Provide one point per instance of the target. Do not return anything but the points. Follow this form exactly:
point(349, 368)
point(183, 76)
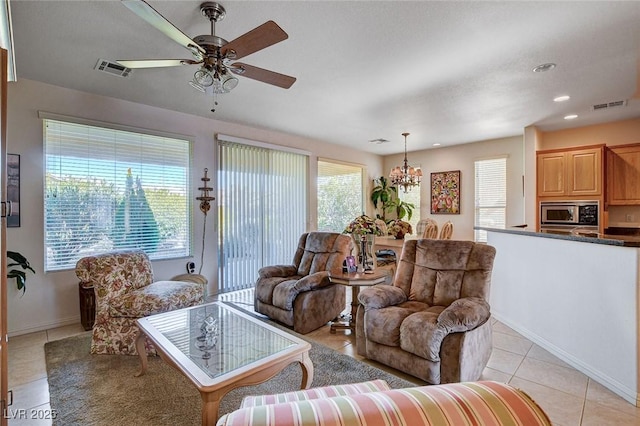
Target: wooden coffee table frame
point(213, 389)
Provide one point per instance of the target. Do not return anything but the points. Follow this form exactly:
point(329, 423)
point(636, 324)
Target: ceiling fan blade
point(153, 17)
point(155, 63)
point(258, 38)
point(263, 75)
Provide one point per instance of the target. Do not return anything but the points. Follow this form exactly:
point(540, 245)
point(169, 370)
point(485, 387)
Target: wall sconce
point(204, 199)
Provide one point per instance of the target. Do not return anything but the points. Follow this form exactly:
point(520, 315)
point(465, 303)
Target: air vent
point(378, 141)
point(112, 68)
point(608, 105)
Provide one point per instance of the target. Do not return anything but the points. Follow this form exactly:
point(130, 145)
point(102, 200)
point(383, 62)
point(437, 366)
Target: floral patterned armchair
point(125, 291)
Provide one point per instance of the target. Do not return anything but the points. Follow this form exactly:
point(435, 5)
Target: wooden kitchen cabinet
point(623, 175)
point(570, 173)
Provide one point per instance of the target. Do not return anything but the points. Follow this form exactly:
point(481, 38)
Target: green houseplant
point(386, 196)
point(382, 194)
point(20, 275)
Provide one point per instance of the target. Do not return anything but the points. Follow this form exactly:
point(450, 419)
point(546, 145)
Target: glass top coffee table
point(220, 348)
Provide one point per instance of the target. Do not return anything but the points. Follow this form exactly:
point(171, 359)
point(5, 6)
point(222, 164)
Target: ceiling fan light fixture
point(229, 83)
point(203, 77)
point(197, 86)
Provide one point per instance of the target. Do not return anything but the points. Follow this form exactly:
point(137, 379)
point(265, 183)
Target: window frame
point(479, 235)
point(188, 140)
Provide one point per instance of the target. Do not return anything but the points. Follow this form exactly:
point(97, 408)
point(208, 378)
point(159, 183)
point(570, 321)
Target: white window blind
point(108, 189)
point(262, 210)
point(340, 194)
point(490, 195)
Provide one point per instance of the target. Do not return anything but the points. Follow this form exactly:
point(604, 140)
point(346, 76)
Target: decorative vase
point(366, 258)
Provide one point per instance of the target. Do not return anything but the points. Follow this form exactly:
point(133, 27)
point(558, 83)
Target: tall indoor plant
point(382, 194)
point(386, 196)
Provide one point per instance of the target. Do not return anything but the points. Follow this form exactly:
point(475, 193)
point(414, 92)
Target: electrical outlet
point(191, 267)
point(629, 218)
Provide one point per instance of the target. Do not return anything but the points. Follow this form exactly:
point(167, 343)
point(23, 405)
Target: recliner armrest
point(381, 296)
point(277, 271)
point(285, 295)
point(313, 281)
point(464, 314)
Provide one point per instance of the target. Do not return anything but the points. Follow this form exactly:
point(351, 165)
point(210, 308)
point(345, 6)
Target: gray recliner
point(433, 321)
point(300, 295)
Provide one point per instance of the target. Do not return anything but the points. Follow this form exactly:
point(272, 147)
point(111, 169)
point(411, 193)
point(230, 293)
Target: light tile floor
point(569, 397)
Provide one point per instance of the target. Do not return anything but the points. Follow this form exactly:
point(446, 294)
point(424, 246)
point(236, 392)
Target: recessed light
point(570, 116)
point(544, 67)
point(436, 144)
point(562, 98)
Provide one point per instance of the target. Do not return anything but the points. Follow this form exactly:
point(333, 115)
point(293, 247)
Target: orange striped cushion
point(455, 404)
point(315, 393)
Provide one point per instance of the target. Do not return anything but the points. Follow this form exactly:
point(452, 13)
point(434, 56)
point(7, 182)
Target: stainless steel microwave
point(569, 213)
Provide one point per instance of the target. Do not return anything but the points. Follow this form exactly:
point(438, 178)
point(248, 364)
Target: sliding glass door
point(262, 210)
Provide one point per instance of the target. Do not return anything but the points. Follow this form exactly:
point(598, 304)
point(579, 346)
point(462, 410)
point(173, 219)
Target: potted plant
point(382, 194)
point(363, 225)
point(363, 230)
point(398, 228)
point(387, 197)
point(401, 208)
point(20, 275)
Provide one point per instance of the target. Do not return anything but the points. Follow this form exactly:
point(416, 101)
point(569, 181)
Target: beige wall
point(613, 133)
point(462, 157)
point(52, 298)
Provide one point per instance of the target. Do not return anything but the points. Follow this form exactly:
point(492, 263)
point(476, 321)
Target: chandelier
point(405, 176)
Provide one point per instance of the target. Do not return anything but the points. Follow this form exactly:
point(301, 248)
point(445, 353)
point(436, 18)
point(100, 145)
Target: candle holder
point(205, 198)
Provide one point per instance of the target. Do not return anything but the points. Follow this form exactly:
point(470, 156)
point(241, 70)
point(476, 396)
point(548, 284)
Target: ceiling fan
point(212, 53)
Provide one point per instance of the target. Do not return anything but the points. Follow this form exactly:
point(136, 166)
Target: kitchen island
point(575, 296)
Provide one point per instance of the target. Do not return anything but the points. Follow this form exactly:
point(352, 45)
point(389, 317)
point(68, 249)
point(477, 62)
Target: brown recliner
point(433, 321)
point(300, 295)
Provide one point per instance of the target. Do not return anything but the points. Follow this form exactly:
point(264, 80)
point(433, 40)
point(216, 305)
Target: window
point(262, 209)
point(412, 196)
point(491, 195)
point(108, 189)
point(340, 195)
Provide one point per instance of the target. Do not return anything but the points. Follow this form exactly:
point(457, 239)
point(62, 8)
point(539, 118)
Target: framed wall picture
point(445, 192)
point(13, 189)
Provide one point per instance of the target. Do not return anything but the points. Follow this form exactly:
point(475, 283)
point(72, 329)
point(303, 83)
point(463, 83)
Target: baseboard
point(629, 395)
point(45, 326)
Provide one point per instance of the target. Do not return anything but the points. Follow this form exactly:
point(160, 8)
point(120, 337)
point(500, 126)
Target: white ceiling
point(447, 72)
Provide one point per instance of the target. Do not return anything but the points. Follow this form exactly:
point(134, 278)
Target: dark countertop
point(596, 238)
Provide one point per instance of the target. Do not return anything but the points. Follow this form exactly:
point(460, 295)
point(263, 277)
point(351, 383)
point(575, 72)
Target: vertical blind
point(108, 189)
point(340, 195)
point(262, 210)
point(490, 195)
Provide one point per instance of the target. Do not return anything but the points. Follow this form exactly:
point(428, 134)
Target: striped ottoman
point(453, 404)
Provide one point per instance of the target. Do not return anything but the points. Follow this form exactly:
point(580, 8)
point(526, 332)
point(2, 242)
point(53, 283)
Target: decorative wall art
point(445, 192)
point(13, 189)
